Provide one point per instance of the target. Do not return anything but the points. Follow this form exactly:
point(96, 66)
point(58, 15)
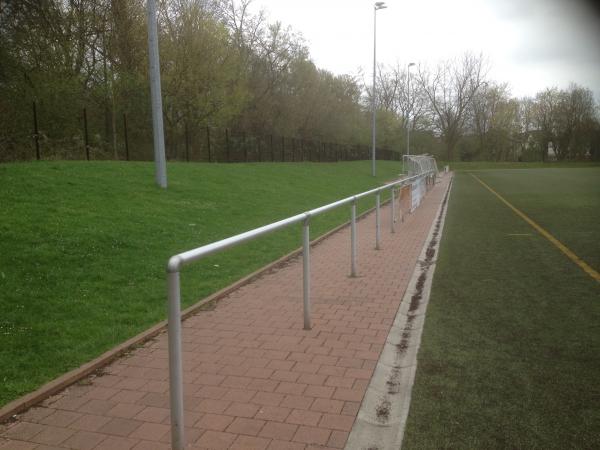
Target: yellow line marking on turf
point(563, 248)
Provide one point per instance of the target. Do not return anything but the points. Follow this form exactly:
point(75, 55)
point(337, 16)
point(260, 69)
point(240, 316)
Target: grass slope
point(84, 246)
point(510, 355)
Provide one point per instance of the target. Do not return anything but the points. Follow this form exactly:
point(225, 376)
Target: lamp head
point(410, 65)
point(380, 5)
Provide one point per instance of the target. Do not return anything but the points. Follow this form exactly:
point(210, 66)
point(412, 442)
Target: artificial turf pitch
point(510, 356)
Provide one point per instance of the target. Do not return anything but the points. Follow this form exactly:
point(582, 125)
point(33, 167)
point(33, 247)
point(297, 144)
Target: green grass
point(84, 246)
point(510, 356)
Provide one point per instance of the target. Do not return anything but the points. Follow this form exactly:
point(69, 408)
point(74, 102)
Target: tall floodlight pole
point(376, 6)
point(409, 108)
point(157, 111)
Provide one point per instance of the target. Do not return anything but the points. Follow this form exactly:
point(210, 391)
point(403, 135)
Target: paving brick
point(213, 392)
point(215, 440)
point(285, 445)
point(275, 413)
point(279, 431)
point(250, 443)
point(319, 391)
point(312, 435)
point(151, 431)
point(98, 407)
point(17, 445)
point(125, 410)
point(152, 414)
point(290, 388)
point(304, 417)
point(297, 402)
point(242, 410)
point(60, 418)
point(268, 398)
point(23, 431)
point(150, 445)
point(338, 439)
point(310, 378)
point(285, 375)
point(239, 395)
point(90, 422)
point(216, 422)
point(53, 435)
point(84, 440)
point(327, 406)
point(116, 443)
point(259, 384)
point(127, 396)
point(120, 427)
point(351, 408)
point(212, 406)
point(351, 395)
point(336, 422)
point(259, 372)
point(242, 425)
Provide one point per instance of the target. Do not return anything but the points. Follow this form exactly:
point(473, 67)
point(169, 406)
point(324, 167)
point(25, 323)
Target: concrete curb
point(382, 416)
point(53, 387)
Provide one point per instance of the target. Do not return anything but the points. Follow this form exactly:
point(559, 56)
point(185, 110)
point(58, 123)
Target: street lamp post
point(155, 92)
point(376, 6)
point(409, 109)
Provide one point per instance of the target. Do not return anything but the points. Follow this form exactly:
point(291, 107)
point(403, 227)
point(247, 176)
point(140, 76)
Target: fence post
point(282, 148)
point(187, 143)
point(272, 151)
point(36, 136)
point(377, 222)
point(353, 239)
point(258, 141)
point(244, 147)
point(85, 135)
point(208, 143)
point(306, 271)
point(126, 140)
point(227, 143)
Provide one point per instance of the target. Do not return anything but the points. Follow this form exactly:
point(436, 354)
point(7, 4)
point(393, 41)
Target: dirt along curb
point(20, 405)
point(384, 410)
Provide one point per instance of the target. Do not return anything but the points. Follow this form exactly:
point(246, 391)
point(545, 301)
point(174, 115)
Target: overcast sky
point(531, 44)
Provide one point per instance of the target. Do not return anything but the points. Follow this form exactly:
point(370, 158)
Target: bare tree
point(450, 89)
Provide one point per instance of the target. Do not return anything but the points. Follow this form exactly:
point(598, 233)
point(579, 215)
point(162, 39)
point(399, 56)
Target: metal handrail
point(177, 262)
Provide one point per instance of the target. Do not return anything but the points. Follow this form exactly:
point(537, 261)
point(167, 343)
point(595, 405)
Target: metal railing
point(177, 262)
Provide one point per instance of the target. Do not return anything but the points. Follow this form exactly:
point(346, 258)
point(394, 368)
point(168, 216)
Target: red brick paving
point(254, 379)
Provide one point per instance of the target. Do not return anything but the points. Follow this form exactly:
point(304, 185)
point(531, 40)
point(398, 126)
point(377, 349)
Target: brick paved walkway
point(254, 378)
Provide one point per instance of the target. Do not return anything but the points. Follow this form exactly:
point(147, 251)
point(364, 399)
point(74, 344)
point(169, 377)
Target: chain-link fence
point(96, 134)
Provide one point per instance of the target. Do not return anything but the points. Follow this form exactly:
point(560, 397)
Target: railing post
point(353, 239)
point(175, 363)
point(393, 211)
point(306, 271)
point(377, 222)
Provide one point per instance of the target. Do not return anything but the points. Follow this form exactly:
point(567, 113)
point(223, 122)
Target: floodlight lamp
point(380, 5)
point(411, 64)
